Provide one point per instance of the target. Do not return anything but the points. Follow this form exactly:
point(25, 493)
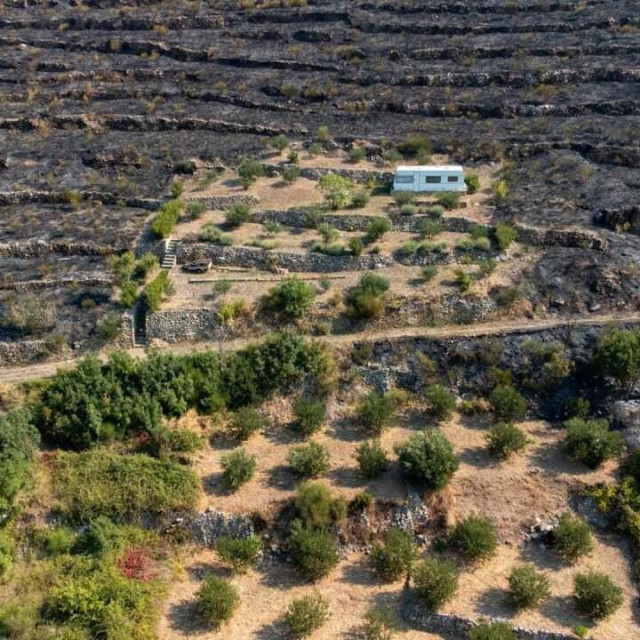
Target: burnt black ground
point(102, 97)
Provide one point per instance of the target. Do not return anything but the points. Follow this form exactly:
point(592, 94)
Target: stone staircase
point(169, 257)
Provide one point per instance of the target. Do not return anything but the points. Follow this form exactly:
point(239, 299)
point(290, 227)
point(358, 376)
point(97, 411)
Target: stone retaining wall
point(23, 352)
point(295, 262)
point(411, 224)
point(86, 281)
point(220, 203)
point(315, 173)
point(38, 248)
point(183, 325)
point(458, 627)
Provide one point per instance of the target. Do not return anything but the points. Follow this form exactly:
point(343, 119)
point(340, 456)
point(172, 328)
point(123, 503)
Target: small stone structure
point(208, 526)
point(183, 325)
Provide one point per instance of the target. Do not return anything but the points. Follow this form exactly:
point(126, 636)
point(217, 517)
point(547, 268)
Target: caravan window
point(404, 179)
point(452, 178)
point(433, 179)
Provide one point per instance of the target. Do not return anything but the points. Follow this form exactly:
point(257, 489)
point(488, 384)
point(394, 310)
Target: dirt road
point(47, 369)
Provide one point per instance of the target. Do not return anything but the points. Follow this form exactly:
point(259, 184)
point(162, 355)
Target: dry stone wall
point(183, 325)
point(295, 262)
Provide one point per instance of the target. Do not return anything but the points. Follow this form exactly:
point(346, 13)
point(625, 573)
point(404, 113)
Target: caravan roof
point(433, 167)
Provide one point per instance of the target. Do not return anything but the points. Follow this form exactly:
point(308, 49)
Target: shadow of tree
point(346, 477)
point(478, 457)
point(280, 477)
point(359, 573)
point(560, 609)
point(184, 617)
point(493, 603)
point(215, 485)
point(347, 430)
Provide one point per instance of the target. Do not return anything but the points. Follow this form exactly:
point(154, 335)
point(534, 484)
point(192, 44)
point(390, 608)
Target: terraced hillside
point(102, 105)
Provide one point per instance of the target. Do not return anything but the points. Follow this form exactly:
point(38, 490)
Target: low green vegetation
point(102, 483)
point(372, 460)
point(216, 601)
point(292, 298)
point(166, 218)
point(237, 215)
point(156, 290)
point(591, 442)
point(309, 461)
point(309, 414)
point(505, 439)
point(240, 553)
point(375, 412)
point(435, 581)
point(367, 300)
point(572, 538)
point(596, 595)
point(474, 538)
point(440, 402)
point(317, 507)
point(307, 614)
point(428, 458)
point(492, 631)
point(245, 422)
point(314, 551)
point(527, 587)
point(238, 468)
point(393, 559)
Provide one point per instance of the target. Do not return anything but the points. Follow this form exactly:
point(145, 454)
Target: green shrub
point(474, 538)
point(492, 631)
point(356, 246)
point(436, 211)
point(428, 458)
point(177, 189)
point(280, 142)
point(377, 228)
point(505, 235)
point(6, 553)
point(238, 468)
point(314, 551)
point(372, 460)
point(375, 412)
point(293, 157)
point(507, 404)
point(449, 200)
point(216, 600)
point(58, 541)
point(617, 355)
point(128, 293)
point(337, 190)
point(166, 218)
point(109, 327)
point(360, 199)
point(395, 558)
point(317, 507)
point(527, 587)
point(505, 439)
point(463, 279)
point(18, 444)
point(249, 171)
point(307, 614)
point(183, 441)
point(415, 144)
point(591, 442)
point(155, 291)
point(328, 232)
point(195, 209)
point(367, 299)
point(100, 482)
point(487, 267)
point(245, 422)
point(309, 461)
point(310, 415)
point(240, 553)
point(572, 538)
point(237, 214)
point(357, 154)
point(380, 624)
point(408, 209)
point(441, 402)
point(290, 174)
point(596, 595)
point(430, 228)
point(211, 233)
point(291, 298)
point(428, 272)
point(403, 198)
point(361, 501)
point(473, 183)
point(435, 582)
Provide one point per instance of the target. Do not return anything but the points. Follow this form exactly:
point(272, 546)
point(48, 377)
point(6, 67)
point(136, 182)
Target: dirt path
point(47, 369)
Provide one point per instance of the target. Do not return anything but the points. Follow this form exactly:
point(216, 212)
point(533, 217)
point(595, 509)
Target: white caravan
point(430, 178)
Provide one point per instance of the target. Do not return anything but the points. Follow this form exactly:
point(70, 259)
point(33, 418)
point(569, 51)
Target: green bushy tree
point(474, 538)
point(428, 458)
point(435, 582)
